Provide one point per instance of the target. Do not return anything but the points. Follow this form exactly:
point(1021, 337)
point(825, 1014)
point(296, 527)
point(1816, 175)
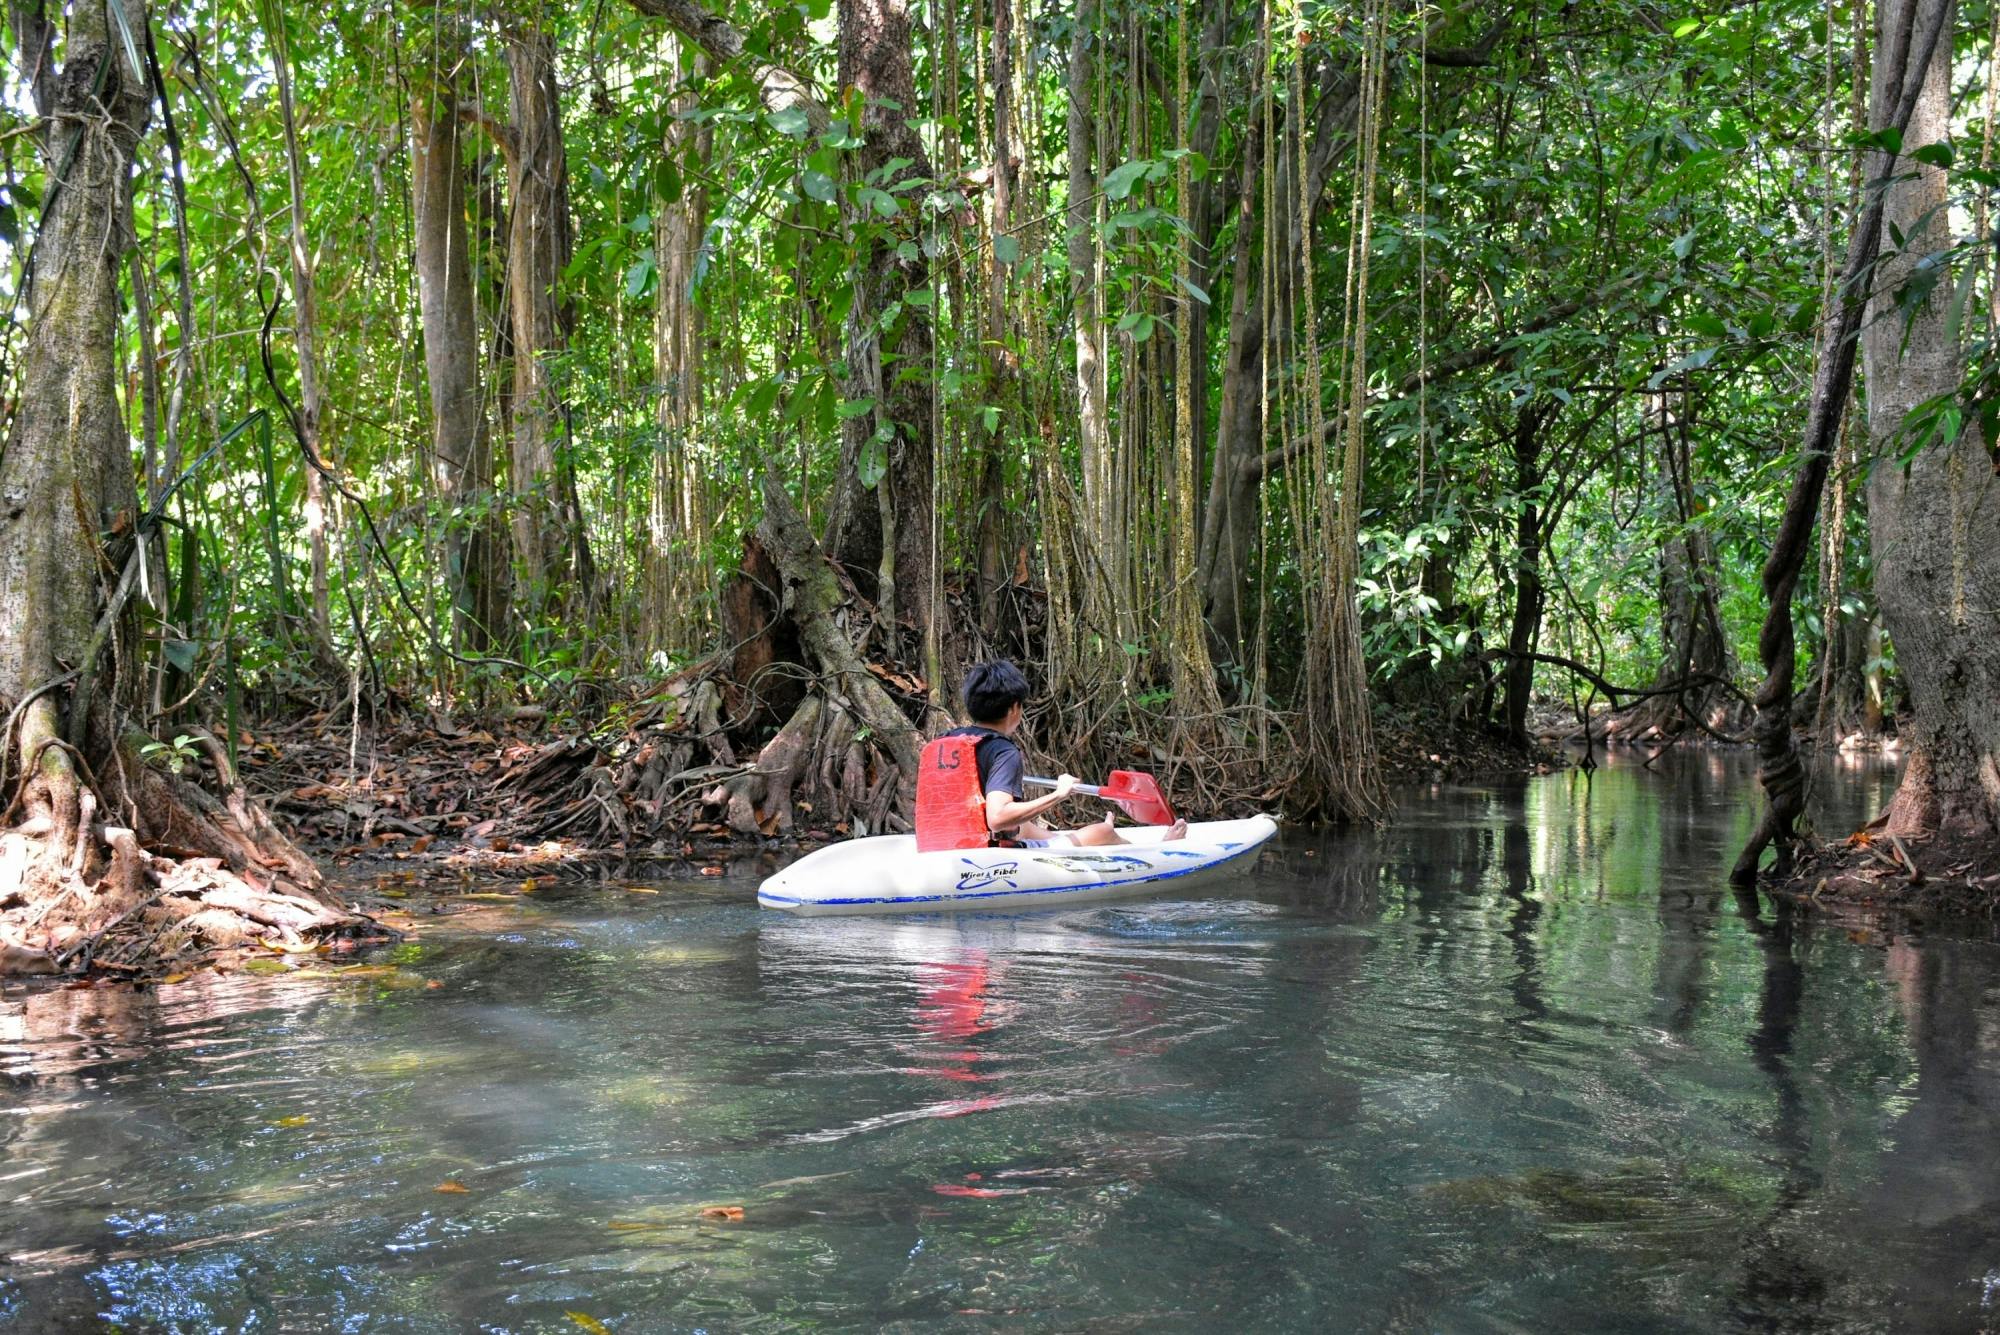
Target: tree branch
point(1258, 468)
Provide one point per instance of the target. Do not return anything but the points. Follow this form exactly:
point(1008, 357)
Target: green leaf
point(1935, 155)
point(1684, 244)
point(1192, 290)
point(1686, 27)
point(989, 417)
point(1707, 326)
point(1121, 180)
point(1006, 250)
point(817, 185)
point(639, 277)
point(873, 464)
point(1694, 361)
point(881, 201)
point(667, 183)
point(852, 408)
point(791, 121)
point(181, 654)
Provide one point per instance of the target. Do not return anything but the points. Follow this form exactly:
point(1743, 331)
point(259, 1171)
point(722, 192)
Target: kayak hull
point(887, 874)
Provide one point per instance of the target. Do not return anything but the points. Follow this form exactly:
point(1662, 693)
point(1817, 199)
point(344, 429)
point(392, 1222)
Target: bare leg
point(1099, 835)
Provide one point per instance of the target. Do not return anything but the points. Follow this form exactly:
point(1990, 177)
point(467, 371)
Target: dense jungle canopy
point(720, 383)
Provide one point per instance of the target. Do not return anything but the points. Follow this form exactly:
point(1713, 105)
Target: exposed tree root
point(1940, 876)
point(195, 877)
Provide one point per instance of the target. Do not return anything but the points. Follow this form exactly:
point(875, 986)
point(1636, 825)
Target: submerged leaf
point(729, 1213)
point(453, 1187)
point(589, 1323)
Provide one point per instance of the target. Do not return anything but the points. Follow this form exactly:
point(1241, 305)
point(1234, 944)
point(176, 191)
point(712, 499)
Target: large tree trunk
point(890, 367)
point(68, 524)
point(682, 509)
point(1932, 521)
point(461, 449)
point(549, 541)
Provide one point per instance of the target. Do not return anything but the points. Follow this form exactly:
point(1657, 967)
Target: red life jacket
point(951, 804)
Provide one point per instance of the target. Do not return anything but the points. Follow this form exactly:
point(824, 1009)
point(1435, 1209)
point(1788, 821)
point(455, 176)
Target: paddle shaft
point(1087, 789)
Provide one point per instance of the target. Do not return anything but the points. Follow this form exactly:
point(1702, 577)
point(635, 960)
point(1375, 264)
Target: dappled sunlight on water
point(1521, 1061)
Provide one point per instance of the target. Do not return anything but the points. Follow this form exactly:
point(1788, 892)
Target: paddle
point(1138, 794)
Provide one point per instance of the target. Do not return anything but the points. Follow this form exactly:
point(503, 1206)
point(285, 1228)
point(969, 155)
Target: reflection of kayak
point(887, 874)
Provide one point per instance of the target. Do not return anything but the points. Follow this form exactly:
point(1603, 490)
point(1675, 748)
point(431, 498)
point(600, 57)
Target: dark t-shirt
point(1000, 761)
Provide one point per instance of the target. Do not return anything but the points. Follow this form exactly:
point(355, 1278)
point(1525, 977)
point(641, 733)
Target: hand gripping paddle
point(1138, 794)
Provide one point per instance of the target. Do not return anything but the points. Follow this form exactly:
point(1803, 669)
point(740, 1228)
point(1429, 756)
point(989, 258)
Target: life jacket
point(951, 802)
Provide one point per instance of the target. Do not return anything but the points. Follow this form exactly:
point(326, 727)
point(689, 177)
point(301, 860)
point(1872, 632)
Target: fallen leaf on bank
point(433, 985)
point(453, 1187)
point(292, 947)
point(711, 871)
point(589, 1323)
point(288, 1122)
point(729, 1213)
point(173, 978)
point(639, 890)
point(266, 966)
point(420, 845)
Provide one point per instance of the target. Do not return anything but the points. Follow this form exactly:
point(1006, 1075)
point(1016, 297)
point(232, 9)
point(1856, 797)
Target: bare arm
point(1004, 811)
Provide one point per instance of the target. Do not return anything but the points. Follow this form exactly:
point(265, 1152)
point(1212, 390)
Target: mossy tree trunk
point(74, 870)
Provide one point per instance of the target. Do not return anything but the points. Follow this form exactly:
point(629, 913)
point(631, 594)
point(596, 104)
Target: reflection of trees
point(1937, 1197)
point(1780, 1279)
point(1518, 884)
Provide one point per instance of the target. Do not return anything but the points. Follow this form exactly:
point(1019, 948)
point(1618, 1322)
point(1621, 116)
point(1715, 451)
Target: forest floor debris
point(524, 797)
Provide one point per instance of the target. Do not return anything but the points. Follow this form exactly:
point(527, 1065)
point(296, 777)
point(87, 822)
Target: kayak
point(886, 874)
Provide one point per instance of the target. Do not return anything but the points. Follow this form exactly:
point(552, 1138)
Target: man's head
point(992, 690)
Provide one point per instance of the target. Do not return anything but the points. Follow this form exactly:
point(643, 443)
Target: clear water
point(1520, 1063)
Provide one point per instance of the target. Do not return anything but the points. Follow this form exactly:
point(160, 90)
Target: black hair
point(991, 689)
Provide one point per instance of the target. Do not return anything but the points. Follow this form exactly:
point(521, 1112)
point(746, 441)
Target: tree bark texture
point(75, 869)
point(1932, 520)
point(549, 542)
point(66, 484)
point(891, 366)
point(682, 514)
point(461, 459)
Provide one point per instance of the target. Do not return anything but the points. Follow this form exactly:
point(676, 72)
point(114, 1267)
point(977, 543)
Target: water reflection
point(1520, 1061)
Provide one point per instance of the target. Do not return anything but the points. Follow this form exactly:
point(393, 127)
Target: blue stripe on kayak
point(763, 898)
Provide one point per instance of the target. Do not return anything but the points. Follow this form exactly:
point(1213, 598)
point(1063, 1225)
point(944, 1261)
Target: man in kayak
point(994, 695)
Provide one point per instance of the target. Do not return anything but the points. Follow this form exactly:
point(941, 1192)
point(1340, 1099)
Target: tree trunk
point(68, 510)
point(682, 517)
point(461, 450)
point(549, 541)
point(1696, 655)
point(890, 367)
point(1911, 33)
point(1529, 594)
point(1932, 520)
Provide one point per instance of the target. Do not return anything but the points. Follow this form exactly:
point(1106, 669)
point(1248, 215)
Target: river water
point(1519, 1063)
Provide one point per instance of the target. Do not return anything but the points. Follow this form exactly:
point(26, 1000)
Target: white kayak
point(887, 874)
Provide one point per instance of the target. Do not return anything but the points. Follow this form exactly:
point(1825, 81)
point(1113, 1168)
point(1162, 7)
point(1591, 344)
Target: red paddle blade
point(1139, 795)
